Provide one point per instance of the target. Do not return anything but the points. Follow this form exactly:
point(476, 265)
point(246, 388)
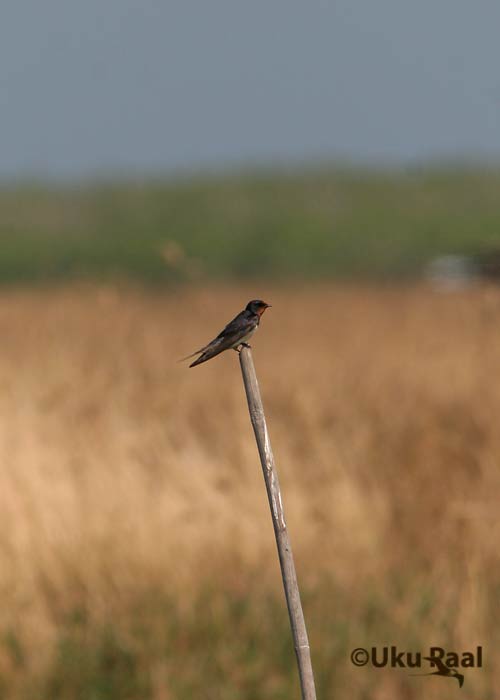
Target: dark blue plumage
point(236, 333)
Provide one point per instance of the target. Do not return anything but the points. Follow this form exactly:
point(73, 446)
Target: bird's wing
point(197, 352)
point(214, 348)
point(238, 327)
point(240, 323)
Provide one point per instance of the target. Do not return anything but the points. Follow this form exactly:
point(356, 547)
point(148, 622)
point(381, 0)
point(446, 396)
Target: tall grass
point(136, 551)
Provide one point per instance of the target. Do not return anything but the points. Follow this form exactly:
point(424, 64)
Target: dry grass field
point(137, 557)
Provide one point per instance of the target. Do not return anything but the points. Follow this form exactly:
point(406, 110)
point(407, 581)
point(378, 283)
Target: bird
point(443, 670)
point(235, 335)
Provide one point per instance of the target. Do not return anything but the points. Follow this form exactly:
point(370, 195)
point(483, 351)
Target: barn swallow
point(443, 670)
point(236, 333)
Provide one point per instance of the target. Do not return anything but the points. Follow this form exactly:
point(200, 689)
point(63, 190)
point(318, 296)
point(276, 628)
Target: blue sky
point(137, 87)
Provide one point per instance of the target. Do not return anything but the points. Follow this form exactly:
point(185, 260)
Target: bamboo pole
point(297, 622)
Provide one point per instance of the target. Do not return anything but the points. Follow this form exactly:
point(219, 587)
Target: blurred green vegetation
point(237, 646)
point(318, 223)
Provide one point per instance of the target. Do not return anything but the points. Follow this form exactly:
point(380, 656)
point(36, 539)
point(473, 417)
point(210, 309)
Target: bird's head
point(257, 306)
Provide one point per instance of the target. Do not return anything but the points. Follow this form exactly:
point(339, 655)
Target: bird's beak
point(268, 306)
